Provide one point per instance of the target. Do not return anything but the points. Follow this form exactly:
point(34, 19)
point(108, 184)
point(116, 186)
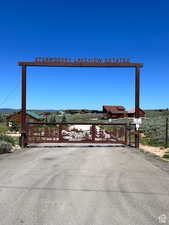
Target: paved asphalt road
point(83, 186)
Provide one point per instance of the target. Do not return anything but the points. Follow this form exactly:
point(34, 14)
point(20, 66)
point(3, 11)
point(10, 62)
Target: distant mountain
point(44, 110)
point(8, 110)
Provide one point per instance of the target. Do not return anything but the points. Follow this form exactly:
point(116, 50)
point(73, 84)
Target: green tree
point(64, 119)
point(14, 127)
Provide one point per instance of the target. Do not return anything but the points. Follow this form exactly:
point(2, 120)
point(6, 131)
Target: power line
point(9, 94)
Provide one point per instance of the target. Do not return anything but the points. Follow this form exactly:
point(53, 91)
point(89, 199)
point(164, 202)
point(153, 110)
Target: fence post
point(137, 104)
point(60, 132)
point(126, 131)
point(23, 111)
point(93, 133)
point(166, 133)
point(129, 135)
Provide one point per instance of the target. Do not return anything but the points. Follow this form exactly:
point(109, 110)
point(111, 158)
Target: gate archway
point(79, 62)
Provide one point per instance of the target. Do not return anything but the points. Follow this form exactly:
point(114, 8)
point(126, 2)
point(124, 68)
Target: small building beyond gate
point(30, 117)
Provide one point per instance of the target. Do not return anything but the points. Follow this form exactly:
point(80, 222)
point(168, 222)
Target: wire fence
point(155, 132)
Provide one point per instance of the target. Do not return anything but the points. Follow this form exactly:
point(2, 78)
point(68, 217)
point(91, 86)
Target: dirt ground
point(159, 151)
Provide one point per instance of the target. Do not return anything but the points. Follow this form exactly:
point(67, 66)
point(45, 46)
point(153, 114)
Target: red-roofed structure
point(114, 112)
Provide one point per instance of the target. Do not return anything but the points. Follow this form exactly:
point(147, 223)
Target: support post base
point(23, 140)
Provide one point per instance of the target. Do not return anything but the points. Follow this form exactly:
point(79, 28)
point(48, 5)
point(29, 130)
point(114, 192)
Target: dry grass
point(159, 151)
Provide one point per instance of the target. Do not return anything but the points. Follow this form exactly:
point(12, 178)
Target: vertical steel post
point(166, 133)
point(125, 133)
point(130, 136)
point(137, 103)
point(93, 133)
point(23, 111)
point(60, 133)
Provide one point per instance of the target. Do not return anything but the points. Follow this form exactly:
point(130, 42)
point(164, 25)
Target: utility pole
point(23, 112)
point(137, 104)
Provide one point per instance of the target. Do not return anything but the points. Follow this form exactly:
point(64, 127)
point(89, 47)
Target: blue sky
point(135, 29)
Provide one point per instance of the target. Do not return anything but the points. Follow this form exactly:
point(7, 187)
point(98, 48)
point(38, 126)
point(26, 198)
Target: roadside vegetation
point(7, 143)
point(166, 155)
point(154, 128)
point(75, 118)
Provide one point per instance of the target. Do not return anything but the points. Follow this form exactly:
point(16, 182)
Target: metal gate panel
point(77, 133)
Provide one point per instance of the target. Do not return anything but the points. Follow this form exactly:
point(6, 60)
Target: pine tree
point(64, 120)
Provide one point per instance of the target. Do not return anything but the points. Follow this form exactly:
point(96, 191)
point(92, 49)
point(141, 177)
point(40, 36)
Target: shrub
point(7, 138)
point(2, 117)
point(3, 128)
point(166, 155)
point(153, 128)
point(5, 147)
point(14, 127)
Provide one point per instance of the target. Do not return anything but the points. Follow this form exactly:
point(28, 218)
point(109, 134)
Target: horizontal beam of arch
point(82, 64)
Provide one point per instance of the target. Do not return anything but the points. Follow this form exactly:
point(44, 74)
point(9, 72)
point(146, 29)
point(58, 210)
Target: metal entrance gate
point(78, 62)
point(78, 133)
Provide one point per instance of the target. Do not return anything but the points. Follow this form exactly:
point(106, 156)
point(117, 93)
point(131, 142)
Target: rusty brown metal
point(23, 114)
point(137, 104)
point(137, 92)
point(60, 133)
point(81, 64)
point(129, 136)
point(126, 133)
point(64, 134)
point(93, 132)
point(71, 123)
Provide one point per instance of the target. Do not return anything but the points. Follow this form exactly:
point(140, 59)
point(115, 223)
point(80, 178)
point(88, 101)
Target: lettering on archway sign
point(81, 60)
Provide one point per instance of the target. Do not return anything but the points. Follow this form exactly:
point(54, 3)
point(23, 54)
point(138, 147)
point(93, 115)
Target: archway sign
point(79, 62)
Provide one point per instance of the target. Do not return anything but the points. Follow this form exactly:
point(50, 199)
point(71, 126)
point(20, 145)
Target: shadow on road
point(76, 146)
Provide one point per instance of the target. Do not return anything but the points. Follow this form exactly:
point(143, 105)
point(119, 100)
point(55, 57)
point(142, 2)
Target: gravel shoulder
point(159, 151)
